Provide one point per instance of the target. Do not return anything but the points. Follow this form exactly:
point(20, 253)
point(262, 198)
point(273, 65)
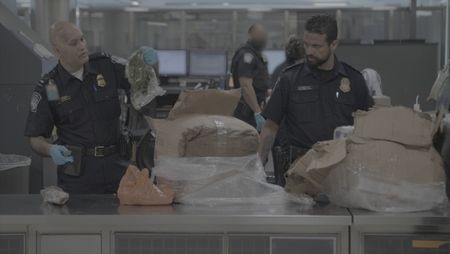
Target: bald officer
point(80, 98)
point(250, 73)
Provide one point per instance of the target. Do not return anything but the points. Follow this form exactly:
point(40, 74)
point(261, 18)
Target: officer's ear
point(56, 50)
point(334, 45)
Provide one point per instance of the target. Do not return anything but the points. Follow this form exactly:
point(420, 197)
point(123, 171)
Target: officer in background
point(312, 98)
point(294, 52)
point(80, 98)
point(250, 73)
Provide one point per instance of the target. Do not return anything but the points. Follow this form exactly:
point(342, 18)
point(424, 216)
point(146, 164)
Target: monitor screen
point(274, 58)
point(172, 62)
point(207, 63)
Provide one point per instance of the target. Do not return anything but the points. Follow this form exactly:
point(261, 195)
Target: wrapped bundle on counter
point(135, 188)
point(387, 165)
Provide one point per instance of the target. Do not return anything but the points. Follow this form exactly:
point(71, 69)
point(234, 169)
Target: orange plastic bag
point(135, 188)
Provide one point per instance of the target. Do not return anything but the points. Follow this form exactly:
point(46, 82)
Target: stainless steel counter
point(429, 218)
point(29, 209)
point(97, 224)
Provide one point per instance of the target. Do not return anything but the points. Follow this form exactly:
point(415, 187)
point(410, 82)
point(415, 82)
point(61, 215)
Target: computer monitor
point(172, 62)
point(274, 58)
point(210, 63)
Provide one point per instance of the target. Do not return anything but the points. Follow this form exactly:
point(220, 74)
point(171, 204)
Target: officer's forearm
point(40, 145)
point(267, 138)
point(249, 94)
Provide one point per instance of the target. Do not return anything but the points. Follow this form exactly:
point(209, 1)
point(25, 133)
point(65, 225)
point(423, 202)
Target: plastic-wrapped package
point(217, 180)
point(387, 177)
point(54, 195)
point(204, 136)
point(387, 165)
point(143, 80)
point(136, 188)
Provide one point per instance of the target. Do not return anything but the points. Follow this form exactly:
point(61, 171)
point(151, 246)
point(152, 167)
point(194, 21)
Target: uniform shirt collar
point(339, 68)
point(65, 76)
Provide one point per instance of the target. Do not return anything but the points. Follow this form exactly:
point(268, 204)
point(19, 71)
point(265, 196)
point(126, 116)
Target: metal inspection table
point(400, 233)
point(98, 224)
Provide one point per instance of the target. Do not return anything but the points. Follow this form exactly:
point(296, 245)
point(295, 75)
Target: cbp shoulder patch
point(248, 58)
point(35, 99)
point(99, 55)
point(119, 60)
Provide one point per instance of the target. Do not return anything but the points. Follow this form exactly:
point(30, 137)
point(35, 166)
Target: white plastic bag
point(217, 180)
point(10, 161)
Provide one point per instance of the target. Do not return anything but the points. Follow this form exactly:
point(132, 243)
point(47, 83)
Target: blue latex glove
point(260, 121)
point(150, 55)
point(60, 154)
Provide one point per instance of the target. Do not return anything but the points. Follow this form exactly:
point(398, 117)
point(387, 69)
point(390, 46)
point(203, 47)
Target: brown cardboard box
point(207, 102)
point(397, 124)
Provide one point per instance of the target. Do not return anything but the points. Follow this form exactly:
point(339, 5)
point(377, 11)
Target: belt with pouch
point(100, 151)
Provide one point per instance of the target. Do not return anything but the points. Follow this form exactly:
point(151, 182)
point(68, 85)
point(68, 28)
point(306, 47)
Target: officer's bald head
point(68, 44)
point(257, 36)
point(59, 32)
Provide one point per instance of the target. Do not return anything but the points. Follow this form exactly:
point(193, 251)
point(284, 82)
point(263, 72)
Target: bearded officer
point(312, 98)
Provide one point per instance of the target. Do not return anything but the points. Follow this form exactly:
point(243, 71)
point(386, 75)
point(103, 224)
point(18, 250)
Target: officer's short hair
point(323, 24)
point(294, 48)
point(253, 27)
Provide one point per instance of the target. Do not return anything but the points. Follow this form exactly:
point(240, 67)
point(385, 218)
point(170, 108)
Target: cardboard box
point(206, 102)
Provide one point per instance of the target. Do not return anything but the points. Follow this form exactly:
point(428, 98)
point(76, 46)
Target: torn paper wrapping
point(380, 167)
point(135, 188)
point(219, 180)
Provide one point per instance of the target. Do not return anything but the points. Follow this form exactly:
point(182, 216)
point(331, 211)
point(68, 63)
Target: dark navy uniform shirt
point(312, 103)
point(250, 63)
point(86, 113)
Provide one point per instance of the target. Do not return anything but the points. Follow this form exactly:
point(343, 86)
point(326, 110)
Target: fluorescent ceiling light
point(384, 8)
point(422, 13)
point(330, 4)
point(134, 3)
point(152, 23)
point(136, 9)
point(226, 4)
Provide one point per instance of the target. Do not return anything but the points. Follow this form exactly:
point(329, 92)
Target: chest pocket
point(71, 111)
point(305, 104)
point(107, 103)
point(347, 105)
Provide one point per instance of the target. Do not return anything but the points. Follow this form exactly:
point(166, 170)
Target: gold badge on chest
point(345, 86)
point(101, 81)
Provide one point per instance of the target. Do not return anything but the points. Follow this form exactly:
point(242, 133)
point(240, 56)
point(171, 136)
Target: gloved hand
point(60, 154)
point(260, 121)
point(150, 56)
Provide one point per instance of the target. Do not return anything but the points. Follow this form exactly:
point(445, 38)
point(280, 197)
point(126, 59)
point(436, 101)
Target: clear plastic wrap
point(389, 185)
point(217, 180)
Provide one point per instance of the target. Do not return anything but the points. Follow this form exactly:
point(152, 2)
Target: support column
point(47, 12)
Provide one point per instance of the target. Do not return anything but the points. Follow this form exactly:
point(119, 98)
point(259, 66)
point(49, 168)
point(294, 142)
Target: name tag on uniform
point(304, 88)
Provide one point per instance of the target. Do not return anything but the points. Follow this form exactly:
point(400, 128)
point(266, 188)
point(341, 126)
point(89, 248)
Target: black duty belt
point(101, 151)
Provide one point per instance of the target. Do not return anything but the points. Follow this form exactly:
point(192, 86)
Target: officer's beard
point(315, 62)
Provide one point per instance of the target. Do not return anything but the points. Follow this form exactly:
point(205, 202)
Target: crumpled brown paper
point(135, 188)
